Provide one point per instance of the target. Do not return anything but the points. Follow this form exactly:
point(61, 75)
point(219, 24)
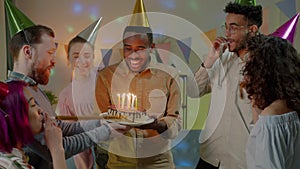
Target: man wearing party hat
point(157, 93)
point(77, 98)
point(33, 50)
point(224, 137)
point(15, 22)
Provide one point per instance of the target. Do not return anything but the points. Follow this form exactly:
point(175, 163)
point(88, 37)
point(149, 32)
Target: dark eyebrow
point(235, 24)
point(31, 98)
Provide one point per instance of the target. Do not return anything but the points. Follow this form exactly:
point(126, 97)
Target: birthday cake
point(126, 115)
point(126, 110)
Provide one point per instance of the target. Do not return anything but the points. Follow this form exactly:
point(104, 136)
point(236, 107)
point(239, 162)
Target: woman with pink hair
point(20, 119)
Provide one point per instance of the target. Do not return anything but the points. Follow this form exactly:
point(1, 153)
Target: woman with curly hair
point(272, 81)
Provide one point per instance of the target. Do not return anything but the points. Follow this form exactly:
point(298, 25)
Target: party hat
point(16, 20)
point(139, 17)
point(90, 33)
point(287, 30)
point(246, 2)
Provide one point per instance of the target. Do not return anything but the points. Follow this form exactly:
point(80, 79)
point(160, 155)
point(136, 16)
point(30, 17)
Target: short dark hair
point(77, 39)
point(272, 72)
point(28, 36)
point(252, 13)
point(140, 29)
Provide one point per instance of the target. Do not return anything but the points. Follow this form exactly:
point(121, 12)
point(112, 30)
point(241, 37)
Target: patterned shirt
point(13, 160)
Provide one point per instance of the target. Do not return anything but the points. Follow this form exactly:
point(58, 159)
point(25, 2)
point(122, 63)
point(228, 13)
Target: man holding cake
point(139, 85)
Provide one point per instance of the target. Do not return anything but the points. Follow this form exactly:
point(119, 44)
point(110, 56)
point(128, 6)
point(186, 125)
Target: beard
point(40, 75)
point(240, 45)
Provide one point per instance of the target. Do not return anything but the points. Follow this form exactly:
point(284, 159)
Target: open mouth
point(135, 63)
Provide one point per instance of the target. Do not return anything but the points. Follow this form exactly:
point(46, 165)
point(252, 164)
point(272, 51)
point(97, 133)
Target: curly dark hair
point(252, 13)
point(272, 72)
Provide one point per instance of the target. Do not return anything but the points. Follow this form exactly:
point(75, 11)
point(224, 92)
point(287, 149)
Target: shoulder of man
point(172, 71)
point(109, 68)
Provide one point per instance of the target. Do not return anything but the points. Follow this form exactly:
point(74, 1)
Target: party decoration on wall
point(287, 30)
point(139, 17)
point(156, 55)
point(288, 7)
point(90, 33)
point(185, 46)
point(246, 2)
point(106, 55)
point(16, 20)
point(211, 34)
point(163, 50)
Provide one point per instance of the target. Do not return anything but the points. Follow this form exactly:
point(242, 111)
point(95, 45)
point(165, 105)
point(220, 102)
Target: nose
point(227, 33)
point(40, 112)
point(53, 59)
point(134, 54)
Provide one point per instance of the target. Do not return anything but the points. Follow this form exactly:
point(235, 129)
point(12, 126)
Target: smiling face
point(43, 55)
point(81, 57)
point(136, 51)
point(236, 31)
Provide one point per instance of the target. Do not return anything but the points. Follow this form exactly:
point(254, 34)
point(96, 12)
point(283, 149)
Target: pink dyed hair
point(15, 127)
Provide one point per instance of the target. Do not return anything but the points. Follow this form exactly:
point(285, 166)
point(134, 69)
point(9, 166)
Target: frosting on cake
point(131, 115)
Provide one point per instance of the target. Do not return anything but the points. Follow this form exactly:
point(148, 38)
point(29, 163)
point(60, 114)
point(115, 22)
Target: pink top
point(77, 99)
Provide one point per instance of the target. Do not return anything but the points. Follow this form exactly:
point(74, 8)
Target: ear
point(151, 47)
point(26, 49)
point(253, 29)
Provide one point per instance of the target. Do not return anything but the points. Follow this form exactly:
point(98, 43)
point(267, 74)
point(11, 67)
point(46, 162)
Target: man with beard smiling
point(224, 137)
point(33, 50)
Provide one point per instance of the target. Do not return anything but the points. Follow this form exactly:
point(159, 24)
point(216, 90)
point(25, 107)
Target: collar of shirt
point(19, 76)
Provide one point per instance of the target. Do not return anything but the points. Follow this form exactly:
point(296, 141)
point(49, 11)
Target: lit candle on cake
point(123, 101)
point(119, 100)
point(133, 101)
point(128, 100)
point(136, 103)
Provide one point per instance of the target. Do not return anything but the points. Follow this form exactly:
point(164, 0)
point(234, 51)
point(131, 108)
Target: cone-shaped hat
point(246, 2)
point(287, 30)
point(90, 33)
point(139, 17)
point(16, 20)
